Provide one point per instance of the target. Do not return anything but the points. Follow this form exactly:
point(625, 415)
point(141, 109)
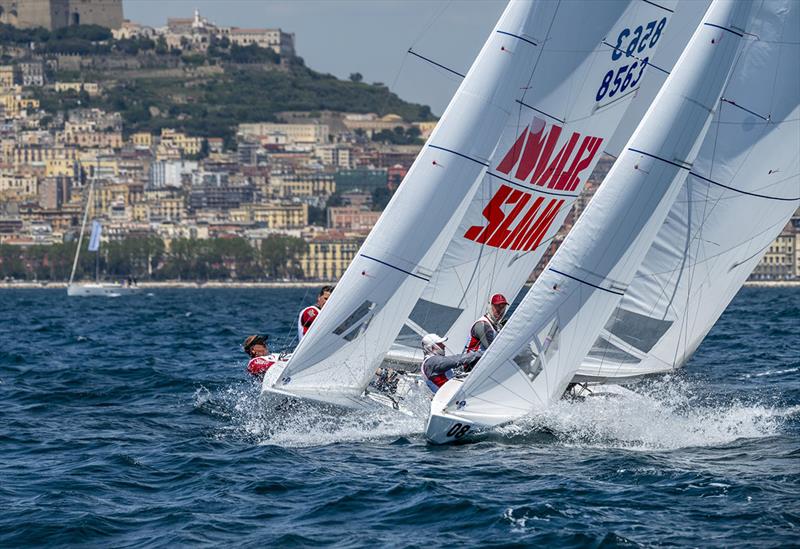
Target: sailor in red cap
point(256, 348)
point(485, 329)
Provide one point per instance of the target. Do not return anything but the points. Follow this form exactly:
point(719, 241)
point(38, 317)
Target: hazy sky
point(367, 36)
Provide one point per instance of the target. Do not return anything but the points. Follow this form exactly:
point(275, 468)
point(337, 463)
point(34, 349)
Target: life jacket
point(259, 365)
point(435, 381)
point(305, 319)
point(474, 343)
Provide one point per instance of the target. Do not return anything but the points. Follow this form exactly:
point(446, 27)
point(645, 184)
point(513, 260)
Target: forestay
point(592, 63)
point(534, 358)
point(741, 191)
point(335, 361)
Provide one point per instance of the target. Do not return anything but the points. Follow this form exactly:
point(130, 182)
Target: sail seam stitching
point(535, 189)
point(658, 6)
point(737, 33)
point(659, 158)
point(540, 112)
point(587, 283)
point(395, 267)
point(484, 164)
point(787, 199)
point(531, 42)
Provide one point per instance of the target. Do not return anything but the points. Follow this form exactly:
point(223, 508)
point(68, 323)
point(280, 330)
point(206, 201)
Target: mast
point(83, 228)
point(533, 359)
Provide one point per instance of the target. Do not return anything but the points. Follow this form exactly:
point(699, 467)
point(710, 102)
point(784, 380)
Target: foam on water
point(665, 414)
point(301, 424)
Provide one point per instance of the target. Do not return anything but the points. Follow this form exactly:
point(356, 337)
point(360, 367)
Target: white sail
point(546, 153)
point(533, 359)
point(94, 239)
point(338, 356)
point(741, 191)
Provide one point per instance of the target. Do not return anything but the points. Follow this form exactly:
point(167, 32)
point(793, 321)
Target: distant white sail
point(546, 153)
point(94, 239)
point(338, 356)
point(741, 191)
point(533, 359)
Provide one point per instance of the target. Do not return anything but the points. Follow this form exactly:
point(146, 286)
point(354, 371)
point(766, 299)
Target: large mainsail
point(335, 361)
point(534, 358)
point(562, 123)
point(741, 191)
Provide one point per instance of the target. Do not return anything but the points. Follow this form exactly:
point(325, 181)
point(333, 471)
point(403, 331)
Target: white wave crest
point(663, 415)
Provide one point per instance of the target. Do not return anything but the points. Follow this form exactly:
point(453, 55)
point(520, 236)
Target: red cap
point(498, 299)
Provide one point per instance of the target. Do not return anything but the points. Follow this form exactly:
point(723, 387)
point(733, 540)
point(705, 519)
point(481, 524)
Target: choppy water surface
point(130, 423)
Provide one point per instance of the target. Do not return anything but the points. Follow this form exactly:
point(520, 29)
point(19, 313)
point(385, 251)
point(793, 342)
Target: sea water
point(131, 422)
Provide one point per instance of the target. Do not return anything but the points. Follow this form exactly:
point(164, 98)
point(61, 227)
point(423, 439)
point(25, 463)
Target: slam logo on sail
point(532, 160)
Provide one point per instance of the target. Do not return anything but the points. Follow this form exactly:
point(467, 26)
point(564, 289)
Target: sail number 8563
point(458, 430)
point(630, 43)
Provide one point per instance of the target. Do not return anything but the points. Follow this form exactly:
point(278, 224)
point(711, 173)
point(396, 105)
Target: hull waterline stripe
point(658, 6)
point(396, 268)
point(432, 62)
point(661, 159)
point(484, 164)
point(531, 42)
point(737, 33)
point(529, 188)
point(587, 283)
point(698, 176)
point(540, 112)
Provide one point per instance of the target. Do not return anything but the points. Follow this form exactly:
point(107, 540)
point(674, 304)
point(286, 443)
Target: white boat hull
point(100, 290)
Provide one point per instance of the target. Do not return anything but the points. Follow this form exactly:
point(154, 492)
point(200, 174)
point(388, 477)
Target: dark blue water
point(130, 423)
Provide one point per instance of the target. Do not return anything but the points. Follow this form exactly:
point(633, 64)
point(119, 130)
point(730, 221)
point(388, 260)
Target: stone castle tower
point(55, 14)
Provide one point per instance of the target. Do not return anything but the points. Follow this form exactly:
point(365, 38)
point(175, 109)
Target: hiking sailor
point(256, 348)
point(486, 327)
point(437, 368)
point(309, 314)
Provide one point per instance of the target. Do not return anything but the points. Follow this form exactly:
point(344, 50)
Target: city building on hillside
point(302, 185)
point(329, 253)
point(351, 218)
point(295, 134)
point(56, 14)
point(780, 260)
point(172, 173)
point(278, 215)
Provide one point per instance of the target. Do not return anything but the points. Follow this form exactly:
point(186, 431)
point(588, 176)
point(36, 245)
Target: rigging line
point(432, 62)
point(431, 23)
point(732, 102)
point(395, 268)
point(518, 37)
point(541, 51)
point(658, 6)
point(557, 119)
point(731, 30)
point(625, 53)
point(484, 164)
point(757, 195)
point(529, 188)
point(587, 283)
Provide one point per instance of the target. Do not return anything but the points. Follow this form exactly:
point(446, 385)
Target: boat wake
point(665, 414)
point(292, 424)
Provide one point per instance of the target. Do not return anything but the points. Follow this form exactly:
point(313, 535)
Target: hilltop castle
point(55, 14)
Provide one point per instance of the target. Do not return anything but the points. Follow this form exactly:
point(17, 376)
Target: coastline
point(28, 285)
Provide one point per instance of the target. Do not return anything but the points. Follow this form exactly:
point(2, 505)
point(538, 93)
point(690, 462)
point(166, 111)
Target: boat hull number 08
point(458, 430)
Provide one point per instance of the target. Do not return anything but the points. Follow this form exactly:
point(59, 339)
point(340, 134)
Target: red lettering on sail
point(493, 213)
point(532, 154)
point(502, 231)
point(535, 235)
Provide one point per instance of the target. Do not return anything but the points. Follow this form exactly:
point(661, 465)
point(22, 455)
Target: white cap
point(432, 339)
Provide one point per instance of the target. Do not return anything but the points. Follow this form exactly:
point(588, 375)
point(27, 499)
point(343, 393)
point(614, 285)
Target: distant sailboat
point(489, 130)
point(537, 355)
point(96, 288)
